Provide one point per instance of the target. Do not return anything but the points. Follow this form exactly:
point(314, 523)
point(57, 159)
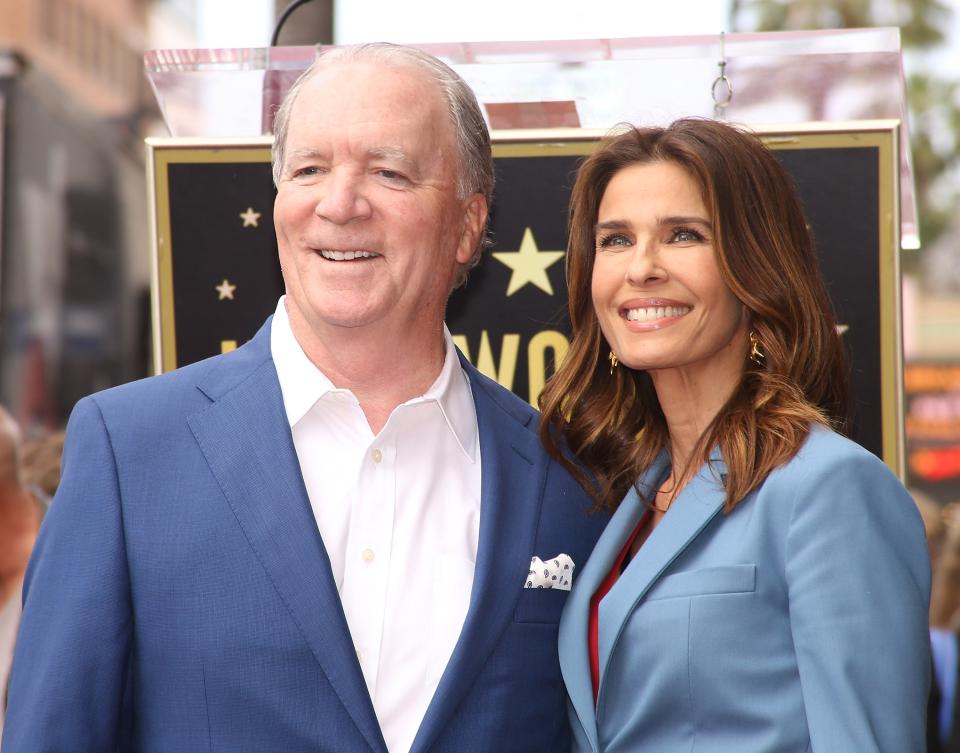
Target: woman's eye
point(614, 241)
point(685, 235)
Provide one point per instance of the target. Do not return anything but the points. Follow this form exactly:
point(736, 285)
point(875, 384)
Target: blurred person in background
point(19, 521)
point(943, 541)
point(40, 460)
point(944, 538)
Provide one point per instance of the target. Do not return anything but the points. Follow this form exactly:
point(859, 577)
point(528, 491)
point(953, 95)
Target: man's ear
point(474, 222)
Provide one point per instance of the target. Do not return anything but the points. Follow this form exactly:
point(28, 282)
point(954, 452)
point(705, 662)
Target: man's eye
point(306, 172)
point(392, 175)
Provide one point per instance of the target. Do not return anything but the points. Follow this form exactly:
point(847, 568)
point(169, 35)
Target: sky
point(248, 23)
point(510, 20)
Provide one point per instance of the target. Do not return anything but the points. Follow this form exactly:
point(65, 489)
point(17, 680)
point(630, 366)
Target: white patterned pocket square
point(556, 572)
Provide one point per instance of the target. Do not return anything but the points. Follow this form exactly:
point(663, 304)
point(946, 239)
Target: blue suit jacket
point(798, 622)
point(180, 597)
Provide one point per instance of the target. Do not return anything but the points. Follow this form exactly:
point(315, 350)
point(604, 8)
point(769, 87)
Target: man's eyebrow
point(389, 152)
point(304, 154)
point(380, 152)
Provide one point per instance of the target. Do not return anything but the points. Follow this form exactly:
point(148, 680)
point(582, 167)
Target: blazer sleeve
point(858, 579)
point(70, 662)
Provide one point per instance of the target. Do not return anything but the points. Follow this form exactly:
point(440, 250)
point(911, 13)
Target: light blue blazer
point(796, 623)
point(180, 598)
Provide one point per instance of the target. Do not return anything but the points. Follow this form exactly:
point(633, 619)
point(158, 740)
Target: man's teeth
point(346, 255)
point(656, 312)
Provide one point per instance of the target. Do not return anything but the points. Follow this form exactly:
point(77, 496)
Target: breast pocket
point(540, 605)
point(725, 579)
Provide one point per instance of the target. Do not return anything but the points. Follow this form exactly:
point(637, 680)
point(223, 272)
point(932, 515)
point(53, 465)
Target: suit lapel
point(246, 440)
point(574, 626)
point(510, 496)
point(697, 505)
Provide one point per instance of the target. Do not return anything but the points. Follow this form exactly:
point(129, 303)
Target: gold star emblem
point(225, 289)
point(529, 264)
point(250, 218)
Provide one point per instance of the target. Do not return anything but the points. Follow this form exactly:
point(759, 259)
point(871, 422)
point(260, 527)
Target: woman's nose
point(644, 265)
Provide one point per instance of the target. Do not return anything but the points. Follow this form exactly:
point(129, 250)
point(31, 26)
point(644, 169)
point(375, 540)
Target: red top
point(593, 634)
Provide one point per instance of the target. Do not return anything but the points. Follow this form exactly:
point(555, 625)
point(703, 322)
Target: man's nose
point(342, 199)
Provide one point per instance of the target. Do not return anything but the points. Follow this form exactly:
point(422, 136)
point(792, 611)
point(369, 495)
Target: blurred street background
point(75, 107)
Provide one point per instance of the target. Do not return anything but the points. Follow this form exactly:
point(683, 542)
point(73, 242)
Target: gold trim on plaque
point(558, 142)
point(161, 153)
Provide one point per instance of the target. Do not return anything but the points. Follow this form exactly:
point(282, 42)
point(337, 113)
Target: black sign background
point(210, 244)
point(839, 188)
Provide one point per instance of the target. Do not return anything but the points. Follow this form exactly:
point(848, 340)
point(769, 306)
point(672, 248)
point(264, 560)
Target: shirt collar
point(451, 391)
point(302, 384)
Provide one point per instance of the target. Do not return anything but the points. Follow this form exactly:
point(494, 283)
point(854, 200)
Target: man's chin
point(329, 320)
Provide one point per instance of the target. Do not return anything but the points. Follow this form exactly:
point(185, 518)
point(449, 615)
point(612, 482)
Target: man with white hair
point(340, 537)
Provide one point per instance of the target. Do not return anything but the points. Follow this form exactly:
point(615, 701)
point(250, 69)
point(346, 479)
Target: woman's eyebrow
point(683, 220)
point(611, 225)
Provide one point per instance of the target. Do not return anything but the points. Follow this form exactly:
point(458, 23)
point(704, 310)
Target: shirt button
point(377, 456)
point(359, 656)
point(367, 555)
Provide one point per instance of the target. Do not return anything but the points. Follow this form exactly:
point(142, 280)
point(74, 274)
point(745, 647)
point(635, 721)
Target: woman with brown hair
point(763, 582)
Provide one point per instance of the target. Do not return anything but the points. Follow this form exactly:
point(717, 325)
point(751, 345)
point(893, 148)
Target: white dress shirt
point(399, 514)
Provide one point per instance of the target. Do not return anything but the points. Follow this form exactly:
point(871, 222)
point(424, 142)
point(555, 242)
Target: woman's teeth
point(652, 313)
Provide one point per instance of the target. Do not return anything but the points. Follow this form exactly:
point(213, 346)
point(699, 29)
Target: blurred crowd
point(942, 524)
point(29, 474)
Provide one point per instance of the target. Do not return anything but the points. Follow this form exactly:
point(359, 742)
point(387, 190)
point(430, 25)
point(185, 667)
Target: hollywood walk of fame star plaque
point(213, 232)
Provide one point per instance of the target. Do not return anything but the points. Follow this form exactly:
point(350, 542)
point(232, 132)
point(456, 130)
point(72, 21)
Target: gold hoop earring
point(756, 350)
point(614, 361)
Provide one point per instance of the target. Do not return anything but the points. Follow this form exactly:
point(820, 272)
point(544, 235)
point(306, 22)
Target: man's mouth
point(332, 255)
point(652, 313)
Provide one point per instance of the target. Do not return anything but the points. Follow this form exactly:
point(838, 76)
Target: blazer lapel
point(510, 496)
point(246, 440)
point(574, 625)
point(690, 513)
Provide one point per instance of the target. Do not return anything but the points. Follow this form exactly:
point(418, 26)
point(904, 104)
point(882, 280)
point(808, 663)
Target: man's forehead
point(386, 111)
point(389, 93)
point(373, 76)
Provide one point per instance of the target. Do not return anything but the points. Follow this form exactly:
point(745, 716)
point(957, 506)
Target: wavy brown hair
point(614, 423)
